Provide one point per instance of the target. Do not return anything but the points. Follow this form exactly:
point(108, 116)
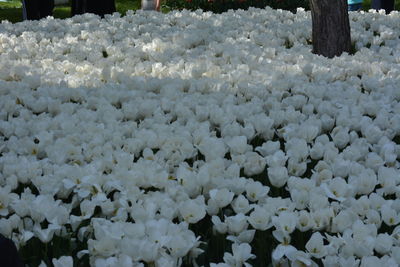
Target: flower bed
point(194, 138)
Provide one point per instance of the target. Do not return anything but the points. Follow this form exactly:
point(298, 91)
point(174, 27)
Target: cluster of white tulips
point(150, 138)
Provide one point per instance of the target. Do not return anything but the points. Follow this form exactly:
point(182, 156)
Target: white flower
point(240, 254)
point(286, 221)
point(278, 158)
point(260, 219)
point(317, 151)
point(395, 253)
point(343, 221)
point(388, 178)
point(254, 164)
point(241, 204)
point(6, 198)
point(321, 217)
point(238, 145)
point(327, 122)
point(373, 217)
point(300, 258)
point(376, 201)
point(148, 250)
point(278, 176)
point(388, 152)
point(164, 260)
point(383, 243)
point(308, 132)
point(372, 133)
point(317, 201)
point(263, 125)
point(232, 129)
point(305, 221)
point(373, 161)
point(219, 226)
point(244, 237)
point(212, 207)
point(297, 149)
point(256, 191)
point(221, 197)
point(340, 136)
point(364, 236)
point(180, 243)
point(268, 148)
point(236, 224)
point(296, 168)
point(341, 167)
point(63, 261)
point(331, 261)
point(370, 261)
point(193, 210)
point(389, 215)
point(282, 250)
point(212, 148)
point(45, 235)
point(222, 264)
point(6, 227)
point(322, 176)
point(301, 198)
point(336, 189)
point(364, 182)
point(315, 246)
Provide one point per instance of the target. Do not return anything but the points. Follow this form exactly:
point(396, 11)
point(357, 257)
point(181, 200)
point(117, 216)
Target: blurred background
point(11, 9)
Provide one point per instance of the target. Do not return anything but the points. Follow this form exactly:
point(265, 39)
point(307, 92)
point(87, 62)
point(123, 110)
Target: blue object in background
point(354, 7)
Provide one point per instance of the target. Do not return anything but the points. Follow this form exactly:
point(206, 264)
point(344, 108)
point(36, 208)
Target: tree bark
point(330, 27)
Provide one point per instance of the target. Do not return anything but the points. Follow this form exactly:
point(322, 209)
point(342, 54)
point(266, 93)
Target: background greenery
point(12, 10)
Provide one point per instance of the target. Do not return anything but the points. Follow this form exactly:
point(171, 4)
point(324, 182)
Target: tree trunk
point(330, 27)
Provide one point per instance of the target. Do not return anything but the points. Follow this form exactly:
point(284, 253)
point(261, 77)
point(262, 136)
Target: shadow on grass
point(13, 12)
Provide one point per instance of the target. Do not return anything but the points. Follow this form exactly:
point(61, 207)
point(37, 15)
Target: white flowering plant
point(199, 139)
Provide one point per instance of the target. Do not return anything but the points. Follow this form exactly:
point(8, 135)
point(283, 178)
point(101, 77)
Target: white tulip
point(278, 158)
point(305, 221)
point(315, 246)
point(244, 237)
point(238, 145)
point(389, 215)
point(193, 210)
point(340, 136)
point(63, 261)
point(343, 221)
point(260, 219)
point(255, 191)
point(219, 226)
point(221, 197)
point(268, 148)
point(296, 168)
point(240, 254)
point(241, 204)
point(254, 164)
point(277, 176)
point(301, 198)
point(286, 221)
point(317, 151)
point(383, 243)
point(237, 223)
point(212, 148)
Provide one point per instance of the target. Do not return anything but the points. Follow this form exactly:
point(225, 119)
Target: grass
point(12, 10)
